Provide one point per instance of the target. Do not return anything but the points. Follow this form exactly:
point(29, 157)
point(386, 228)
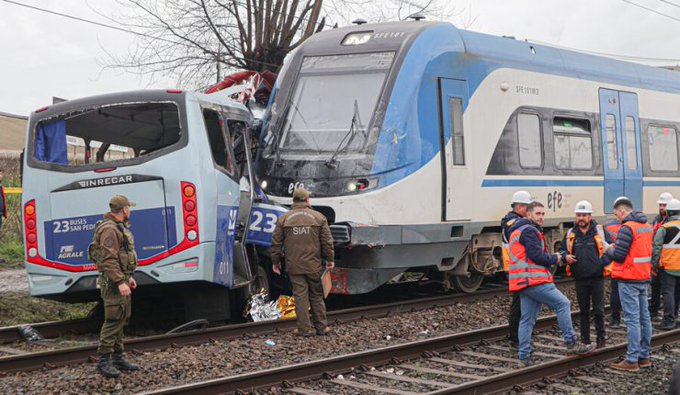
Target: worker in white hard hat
point(659, 220)
point(666, 259)
point(519, 204)
point(582, 248)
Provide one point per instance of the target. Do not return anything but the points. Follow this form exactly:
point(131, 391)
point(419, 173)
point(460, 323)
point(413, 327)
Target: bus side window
point(217, 134)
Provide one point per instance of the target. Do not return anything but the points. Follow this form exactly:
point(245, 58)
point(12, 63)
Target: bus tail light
point(189, 212)
point(31, 232)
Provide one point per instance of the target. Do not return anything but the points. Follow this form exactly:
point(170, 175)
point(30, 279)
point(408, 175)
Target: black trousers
point(614, 300)
point(670, 288)
point(514, 317)
point(587, 290)
point(655, 303)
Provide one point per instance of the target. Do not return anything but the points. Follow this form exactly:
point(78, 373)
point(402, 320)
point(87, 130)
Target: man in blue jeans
point(632, 258)
point(530, 275)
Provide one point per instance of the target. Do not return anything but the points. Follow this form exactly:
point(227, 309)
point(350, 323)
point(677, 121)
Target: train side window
point(573, 143)
point(612, 147)
point(529, 137)
point(631, 144)
point(214, 125)
point(456, 114)
point(663, 148)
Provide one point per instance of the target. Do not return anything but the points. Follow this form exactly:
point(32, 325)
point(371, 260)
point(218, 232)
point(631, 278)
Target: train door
point(455, 175)
point(620, 127)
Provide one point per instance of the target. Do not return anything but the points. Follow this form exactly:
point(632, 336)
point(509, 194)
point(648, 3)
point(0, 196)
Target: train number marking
point(554, 200)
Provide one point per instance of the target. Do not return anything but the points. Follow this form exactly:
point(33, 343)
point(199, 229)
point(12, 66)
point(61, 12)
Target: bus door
point(456, 178)
point(620, 135)
point(231, 263)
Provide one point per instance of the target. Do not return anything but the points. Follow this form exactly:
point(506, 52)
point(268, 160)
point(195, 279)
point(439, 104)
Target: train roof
point(491, 52)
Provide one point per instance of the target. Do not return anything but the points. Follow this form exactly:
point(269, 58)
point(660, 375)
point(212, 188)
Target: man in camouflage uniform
point(113, 251)
point(303, 235)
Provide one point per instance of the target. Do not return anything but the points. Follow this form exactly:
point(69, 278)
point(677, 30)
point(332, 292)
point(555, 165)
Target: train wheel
point(467, 284)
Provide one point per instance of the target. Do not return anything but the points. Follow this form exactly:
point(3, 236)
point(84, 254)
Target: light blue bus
point(185, 158)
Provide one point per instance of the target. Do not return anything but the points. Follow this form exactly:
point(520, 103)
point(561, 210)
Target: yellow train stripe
point(13, 191)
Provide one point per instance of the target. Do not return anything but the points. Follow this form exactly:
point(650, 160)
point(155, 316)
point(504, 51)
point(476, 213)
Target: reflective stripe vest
point(599, 241)
point(523, 272)
point(670, 254)
point(613, 228)
point(505, 247)
point(638, 263)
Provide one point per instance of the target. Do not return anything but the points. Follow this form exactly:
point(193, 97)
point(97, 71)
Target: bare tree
point(196, 40)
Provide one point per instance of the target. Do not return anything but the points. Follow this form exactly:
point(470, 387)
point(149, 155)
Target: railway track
point(63, 356)
point(466, 363)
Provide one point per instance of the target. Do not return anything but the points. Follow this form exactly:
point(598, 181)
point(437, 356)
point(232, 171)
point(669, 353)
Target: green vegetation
point(18, 308)
point(11, 249)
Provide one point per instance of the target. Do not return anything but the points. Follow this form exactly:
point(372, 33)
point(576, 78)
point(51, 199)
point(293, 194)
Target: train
point(412, 137)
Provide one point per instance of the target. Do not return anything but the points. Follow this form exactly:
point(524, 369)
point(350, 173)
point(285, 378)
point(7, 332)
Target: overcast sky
point(46, 55)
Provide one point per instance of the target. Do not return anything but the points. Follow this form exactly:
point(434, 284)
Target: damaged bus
point(185, 158)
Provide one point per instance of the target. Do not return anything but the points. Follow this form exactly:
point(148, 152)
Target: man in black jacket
point(582, 249)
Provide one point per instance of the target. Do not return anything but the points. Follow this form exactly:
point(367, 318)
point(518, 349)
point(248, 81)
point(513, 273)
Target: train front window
point(334, 94)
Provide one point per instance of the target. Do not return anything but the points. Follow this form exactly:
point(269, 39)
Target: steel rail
point(314, 370)
point(36, 360)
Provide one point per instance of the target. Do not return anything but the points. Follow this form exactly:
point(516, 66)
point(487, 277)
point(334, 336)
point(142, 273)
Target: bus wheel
point(467, 284)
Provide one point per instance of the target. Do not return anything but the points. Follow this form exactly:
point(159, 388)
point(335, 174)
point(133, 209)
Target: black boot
point(122, 364)
point(106, 368)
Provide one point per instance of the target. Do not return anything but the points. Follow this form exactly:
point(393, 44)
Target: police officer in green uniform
point(304, 237)
point(113, 251)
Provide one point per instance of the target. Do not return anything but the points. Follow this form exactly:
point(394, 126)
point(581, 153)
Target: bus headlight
point(263, 184)
point(32, 252)
point(191, 235)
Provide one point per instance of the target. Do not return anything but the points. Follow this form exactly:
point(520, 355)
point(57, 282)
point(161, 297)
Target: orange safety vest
point(505, 247)
point(670, 254)
point(613, 229)
point(638, 263)
point(523, 272)
point(599, 241)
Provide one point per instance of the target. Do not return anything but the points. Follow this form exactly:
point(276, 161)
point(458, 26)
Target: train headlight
point(352, 186)
point(263, 184)
point(357, 38)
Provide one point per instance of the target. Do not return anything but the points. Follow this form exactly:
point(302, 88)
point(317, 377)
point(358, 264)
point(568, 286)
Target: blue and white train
point(413, 136)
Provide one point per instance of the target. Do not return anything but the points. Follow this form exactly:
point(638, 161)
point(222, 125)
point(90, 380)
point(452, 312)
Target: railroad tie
point(12, 351)
point(566, 388)
point(305, 391)
point(369, 387)
point(538, 353)
point(407, 379)
point(550, 346)
point(487, 356)
point(422, 369)
point(591, 380)
point(468, 365)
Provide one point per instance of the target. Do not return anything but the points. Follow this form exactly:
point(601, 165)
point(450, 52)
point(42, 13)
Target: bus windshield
point(332, 94)
point(108, 133)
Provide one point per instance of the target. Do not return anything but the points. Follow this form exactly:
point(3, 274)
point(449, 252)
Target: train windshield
point(332, 103)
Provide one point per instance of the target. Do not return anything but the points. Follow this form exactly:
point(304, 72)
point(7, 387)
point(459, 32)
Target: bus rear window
point(107, 134)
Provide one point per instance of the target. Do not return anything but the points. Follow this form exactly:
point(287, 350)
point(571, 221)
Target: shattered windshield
point(330, 92)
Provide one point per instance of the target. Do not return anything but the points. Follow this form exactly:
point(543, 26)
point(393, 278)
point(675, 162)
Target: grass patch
point(12, 253)
point(18, 308)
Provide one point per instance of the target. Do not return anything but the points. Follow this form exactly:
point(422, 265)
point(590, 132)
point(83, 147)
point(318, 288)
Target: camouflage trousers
point(117, 312)
point(308, 290)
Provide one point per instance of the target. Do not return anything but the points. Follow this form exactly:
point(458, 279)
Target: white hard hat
point(673, 205)
point(521, 197)
point(623, 199)
point(664, 198)
point(583, 207)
